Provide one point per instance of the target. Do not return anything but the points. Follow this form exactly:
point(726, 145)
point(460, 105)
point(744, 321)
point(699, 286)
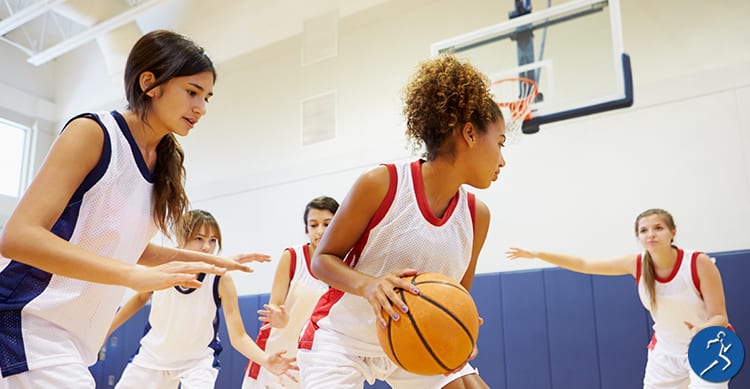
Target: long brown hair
point(647, 268)
point(167, 55)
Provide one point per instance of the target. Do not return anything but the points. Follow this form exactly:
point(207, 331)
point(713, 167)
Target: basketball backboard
point(573, 50)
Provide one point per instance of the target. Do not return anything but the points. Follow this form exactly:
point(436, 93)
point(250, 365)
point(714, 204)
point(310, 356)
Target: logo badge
point(716, 354)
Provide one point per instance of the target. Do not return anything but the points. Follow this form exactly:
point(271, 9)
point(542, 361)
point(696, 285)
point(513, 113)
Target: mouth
point(190, 121)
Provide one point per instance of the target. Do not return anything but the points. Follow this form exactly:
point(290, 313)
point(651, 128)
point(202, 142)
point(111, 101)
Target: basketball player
point(402, 219)
point(293, 295)
point(682, 290)
point(181, 343)
point(110, 180)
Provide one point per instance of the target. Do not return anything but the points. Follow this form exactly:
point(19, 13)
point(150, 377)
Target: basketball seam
point(451, 314)
point(424, 341)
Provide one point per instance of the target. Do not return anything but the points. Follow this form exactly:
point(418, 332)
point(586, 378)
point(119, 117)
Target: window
point(12, 147)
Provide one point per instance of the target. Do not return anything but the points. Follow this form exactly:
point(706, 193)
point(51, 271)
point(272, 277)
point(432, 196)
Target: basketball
point(438, 333)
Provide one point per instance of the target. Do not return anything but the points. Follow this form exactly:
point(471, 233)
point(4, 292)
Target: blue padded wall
point(548, 328)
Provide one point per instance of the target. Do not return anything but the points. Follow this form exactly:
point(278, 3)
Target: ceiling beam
point(92, 33)
point(26, 15)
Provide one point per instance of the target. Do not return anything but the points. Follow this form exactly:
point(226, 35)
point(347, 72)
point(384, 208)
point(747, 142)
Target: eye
point(214, 240)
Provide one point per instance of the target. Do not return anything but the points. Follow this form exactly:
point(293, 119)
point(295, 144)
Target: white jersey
point(304, 291)
point(48, 319)
point(678, 299)
point(402, 234)
point(182, 326)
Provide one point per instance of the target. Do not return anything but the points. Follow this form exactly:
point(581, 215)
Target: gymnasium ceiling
point(47, 29)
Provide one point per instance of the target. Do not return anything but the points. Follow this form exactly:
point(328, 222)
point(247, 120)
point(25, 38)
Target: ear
point(469, 134)
point(146, 81)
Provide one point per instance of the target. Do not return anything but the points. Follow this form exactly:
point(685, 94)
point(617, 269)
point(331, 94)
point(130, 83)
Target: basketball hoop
point(514, 96)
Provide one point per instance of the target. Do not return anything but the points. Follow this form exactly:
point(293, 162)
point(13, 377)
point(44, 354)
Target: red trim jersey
point(678, 299)
point(403, 233)
point(304, 291)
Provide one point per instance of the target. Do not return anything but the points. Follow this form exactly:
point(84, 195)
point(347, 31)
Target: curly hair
point(442, 96)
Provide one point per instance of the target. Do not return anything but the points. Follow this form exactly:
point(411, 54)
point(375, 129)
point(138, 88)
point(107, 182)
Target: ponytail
point(170, 202)
point(650, 279)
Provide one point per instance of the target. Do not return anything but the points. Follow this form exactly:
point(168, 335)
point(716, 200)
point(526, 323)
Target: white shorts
point(667, 371)
point(60, 376)
point(268, 380)
point(201, 375)
point(325, 370)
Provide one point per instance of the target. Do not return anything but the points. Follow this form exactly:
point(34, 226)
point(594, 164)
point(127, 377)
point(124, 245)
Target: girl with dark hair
point(293, 295)
point(110, 181)
point(682, 290)
point(400, 219)
point(181, 343)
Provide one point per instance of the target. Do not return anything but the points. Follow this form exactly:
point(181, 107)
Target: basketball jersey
point(182, 326)
point(48, 319)
point(304, 291)
point(403, 233)
point(678, 299)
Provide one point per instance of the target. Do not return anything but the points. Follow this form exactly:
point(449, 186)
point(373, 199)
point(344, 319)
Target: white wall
point(574, 187)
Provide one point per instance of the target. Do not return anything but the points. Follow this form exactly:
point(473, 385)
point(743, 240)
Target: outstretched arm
point(241, 341)
point(27, 237)
point(274, 313)
point(609, 267)
point(155, 255)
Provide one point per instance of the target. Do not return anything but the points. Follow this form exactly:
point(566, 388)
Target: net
point(514, 96)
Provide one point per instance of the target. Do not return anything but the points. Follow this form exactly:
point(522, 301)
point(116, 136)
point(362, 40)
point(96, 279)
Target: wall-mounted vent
point(320, 37)
point(318, 118)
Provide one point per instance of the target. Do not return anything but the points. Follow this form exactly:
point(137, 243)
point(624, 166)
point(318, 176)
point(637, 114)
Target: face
point(179, 103)
point(203, 240)
point(317, 223)
point(654, 233)
point(487, 156)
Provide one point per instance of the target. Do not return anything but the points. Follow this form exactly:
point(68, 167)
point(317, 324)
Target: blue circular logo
point(716, 354)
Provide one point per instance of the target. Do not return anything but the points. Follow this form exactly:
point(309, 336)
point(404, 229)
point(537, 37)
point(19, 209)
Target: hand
point(278, 365)
point(273, 316)
point(236, 262)
point(515, 252)
point(250, 257)
point(144, 279)
point(380, 292)
point(692, 328)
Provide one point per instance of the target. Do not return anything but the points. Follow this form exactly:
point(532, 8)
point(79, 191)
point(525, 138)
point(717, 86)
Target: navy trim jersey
point(47, 319)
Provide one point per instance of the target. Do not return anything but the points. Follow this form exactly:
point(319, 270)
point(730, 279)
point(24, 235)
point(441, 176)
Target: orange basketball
point(440, 330)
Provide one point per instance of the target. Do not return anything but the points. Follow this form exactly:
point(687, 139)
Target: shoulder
point(481, 212)
point(704, 263)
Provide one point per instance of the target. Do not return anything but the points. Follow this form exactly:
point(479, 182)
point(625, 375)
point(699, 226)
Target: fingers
point(251, 257)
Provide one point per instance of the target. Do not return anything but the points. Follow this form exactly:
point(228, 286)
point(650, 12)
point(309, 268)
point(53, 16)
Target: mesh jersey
point(304, 291)
point(47, 319)
point(678, 299)
point(402, 234)
point(182, 326)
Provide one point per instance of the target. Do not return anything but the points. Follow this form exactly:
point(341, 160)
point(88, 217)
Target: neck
point(665, 257)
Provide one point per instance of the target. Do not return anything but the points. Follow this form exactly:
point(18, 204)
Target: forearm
point(245, 345)
point(569, 262)
point(156, 255)
point(38, 247)
point(716, 320)
point(331, 270)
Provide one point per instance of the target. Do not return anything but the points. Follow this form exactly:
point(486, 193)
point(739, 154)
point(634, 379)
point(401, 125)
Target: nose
point(501, 161)
point(200, 108)
point(206, 248)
